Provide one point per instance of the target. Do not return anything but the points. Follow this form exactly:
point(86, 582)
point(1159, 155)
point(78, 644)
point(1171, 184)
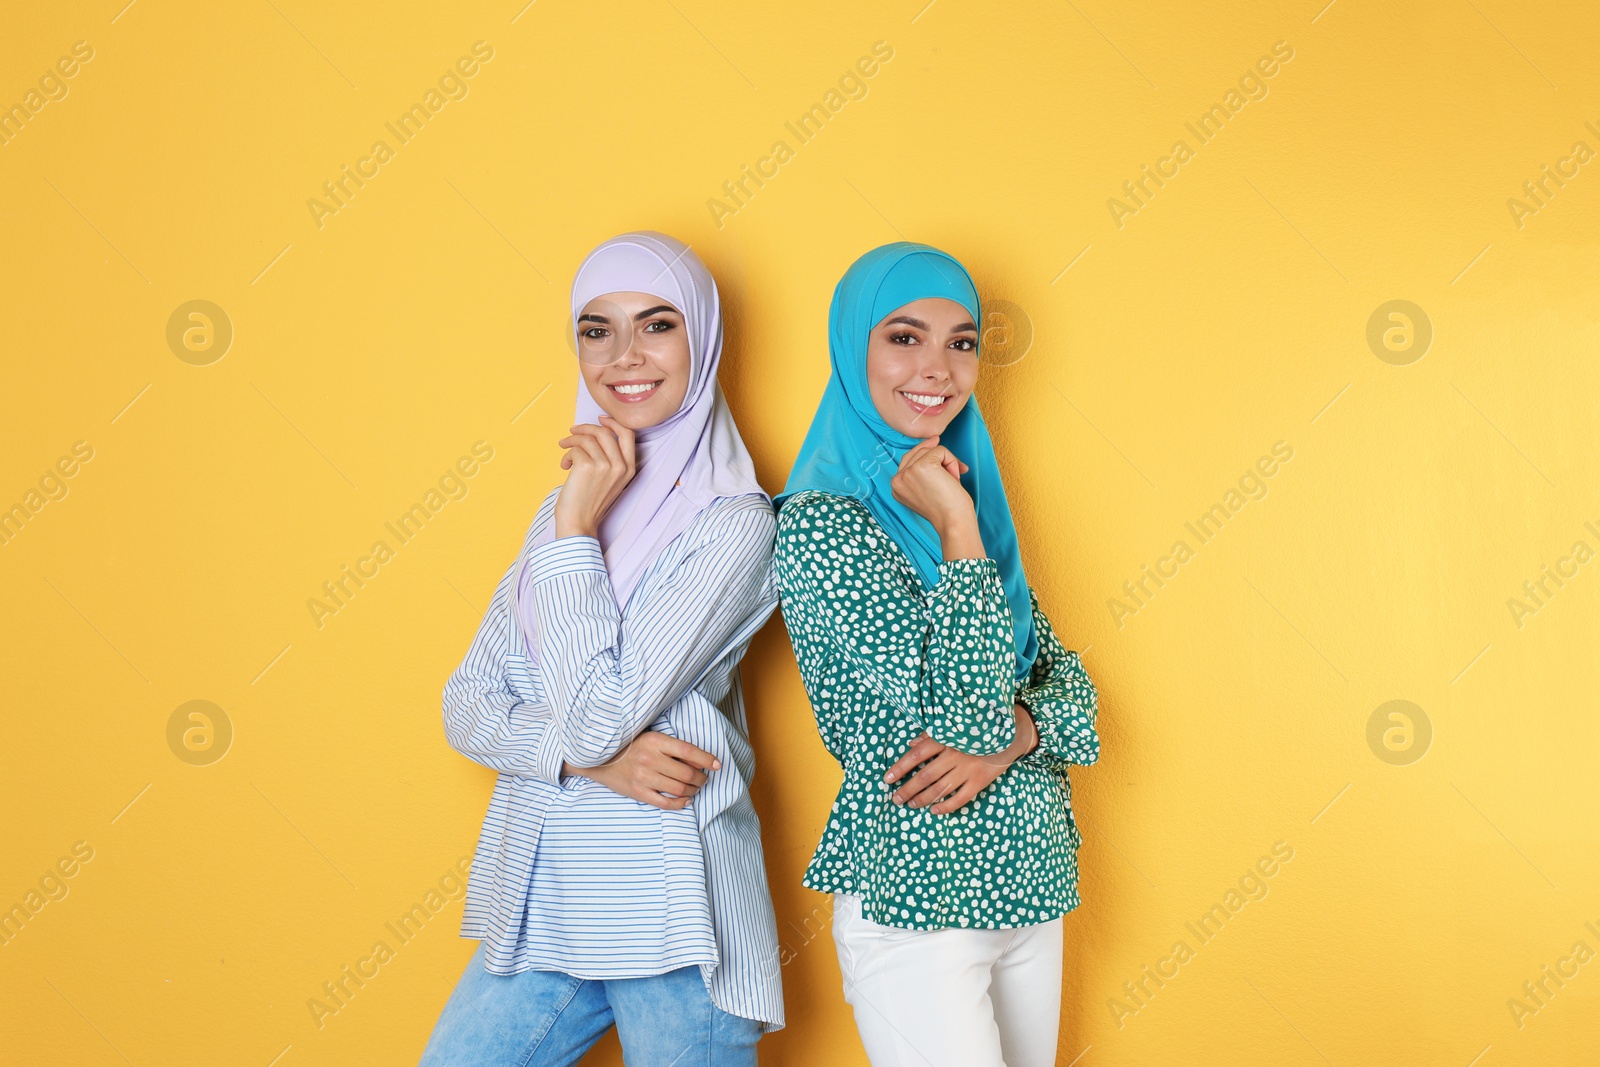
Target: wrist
point(959, 537)
point(954, 519)
point(569, 527)
point(1027, 738)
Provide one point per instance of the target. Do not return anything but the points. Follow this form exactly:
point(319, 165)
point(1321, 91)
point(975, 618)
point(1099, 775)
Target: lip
point(924, 409)
point(635, 398)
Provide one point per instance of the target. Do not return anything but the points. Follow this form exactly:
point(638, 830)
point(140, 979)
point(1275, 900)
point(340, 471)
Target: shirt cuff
point(565, 555)
point(548, 763)
point(965, 577)
point(975, 566)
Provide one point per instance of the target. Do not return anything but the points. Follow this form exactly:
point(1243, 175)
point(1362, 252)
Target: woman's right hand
point(929, 483)
point(601, 459)
point(656, 769)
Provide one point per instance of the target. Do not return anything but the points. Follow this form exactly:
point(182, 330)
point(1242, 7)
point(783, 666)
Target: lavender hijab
point(682, 464)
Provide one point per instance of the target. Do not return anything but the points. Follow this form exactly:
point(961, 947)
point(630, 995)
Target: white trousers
point(951, 997)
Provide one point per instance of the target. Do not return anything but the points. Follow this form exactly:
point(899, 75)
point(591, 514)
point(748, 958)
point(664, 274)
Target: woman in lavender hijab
point(618, 877)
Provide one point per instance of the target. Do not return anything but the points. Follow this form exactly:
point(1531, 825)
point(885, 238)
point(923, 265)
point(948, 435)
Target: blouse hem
point(768, 1025)
point(1049, 914)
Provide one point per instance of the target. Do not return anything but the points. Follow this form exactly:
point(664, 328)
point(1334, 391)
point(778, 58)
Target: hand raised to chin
point(600, 462)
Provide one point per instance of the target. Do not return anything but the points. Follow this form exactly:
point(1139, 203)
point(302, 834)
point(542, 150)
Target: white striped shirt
point(569, 876)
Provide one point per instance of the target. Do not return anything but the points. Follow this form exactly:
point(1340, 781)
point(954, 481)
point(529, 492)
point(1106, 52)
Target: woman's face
point(634, 353)
point(922, 364)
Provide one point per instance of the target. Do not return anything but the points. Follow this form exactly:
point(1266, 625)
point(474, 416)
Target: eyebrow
point(597, 317)
point(965, 327)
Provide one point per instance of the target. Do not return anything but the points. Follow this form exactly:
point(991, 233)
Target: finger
point(940, 784)
point(681, 774)
point(943, 789)
point(624, 438)
point(574, 440)
point(666, 783)
point(586, 447)
point(940, 457)
point(665, 803)
point(921, 749)
point(931, 773)
point(959, 799)
point(917, 451)
point(683, 750)
point(915, 756)
point(589, 431)
point(947, 459)
point(595, 430)
point(601, 443)
point(608, 444)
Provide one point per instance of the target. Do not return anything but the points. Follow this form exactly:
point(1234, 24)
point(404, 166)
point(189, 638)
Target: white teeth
point(926, 400)
point(632, 390)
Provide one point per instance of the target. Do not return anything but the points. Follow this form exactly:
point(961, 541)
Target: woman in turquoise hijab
point(937, 682)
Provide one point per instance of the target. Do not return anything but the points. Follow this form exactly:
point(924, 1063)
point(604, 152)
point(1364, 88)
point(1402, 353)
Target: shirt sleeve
point(484, 719)
point(1061, 698)
point(609, 675)
point(955, 679)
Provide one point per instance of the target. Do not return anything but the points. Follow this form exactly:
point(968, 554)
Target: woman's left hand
point(949, 778)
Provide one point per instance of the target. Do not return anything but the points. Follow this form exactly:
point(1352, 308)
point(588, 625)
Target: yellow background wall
point(1175, 341)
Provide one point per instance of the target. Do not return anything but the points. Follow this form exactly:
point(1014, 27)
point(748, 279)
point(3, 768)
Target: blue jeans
point(550, 1019)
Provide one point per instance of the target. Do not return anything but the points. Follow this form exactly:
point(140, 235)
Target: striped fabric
point(569, 876)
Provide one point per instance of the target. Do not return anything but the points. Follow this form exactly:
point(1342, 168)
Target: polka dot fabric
point(883, 660)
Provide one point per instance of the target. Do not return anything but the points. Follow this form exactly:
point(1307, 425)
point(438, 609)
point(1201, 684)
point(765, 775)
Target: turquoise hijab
point(851, 451)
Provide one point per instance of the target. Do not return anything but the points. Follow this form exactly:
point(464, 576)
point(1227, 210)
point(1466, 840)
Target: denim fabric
point(550, 1019)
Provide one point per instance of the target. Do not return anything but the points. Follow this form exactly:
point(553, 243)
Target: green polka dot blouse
point(884, 660)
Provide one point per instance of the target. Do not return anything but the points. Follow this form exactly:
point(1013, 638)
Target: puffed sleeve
point(952, 668)
point(1061, 698)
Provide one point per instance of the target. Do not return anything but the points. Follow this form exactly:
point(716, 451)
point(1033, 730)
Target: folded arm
point(1061, 698)
point(608, 675)
point(484, 719)
point(957, 681)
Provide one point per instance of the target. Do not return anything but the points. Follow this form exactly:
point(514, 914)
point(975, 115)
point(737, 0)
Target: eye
point(659, 326)
point(595, 333)
point(902, 338)
point(964, 344)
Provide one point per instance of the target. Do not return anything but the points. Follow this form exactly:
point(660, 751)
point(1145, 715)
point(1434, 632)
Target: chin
point(636, 418)
point(925, 428)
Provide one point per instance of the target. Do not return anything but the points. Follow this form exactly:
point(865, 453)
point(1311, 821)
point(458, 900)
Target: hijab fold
point(851, 451)
point(682, 464)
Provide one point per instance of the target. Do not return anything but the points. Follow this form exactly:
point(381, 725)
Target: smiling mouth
point(924, 403)
point(634, 392)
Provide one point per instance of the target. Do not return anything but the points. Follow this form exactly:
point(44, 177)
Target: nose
point(630, 356)
point(936, 368)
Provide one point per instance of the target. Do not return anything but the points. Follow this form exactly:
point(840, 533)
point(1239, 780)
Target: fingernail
point(716, 765)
